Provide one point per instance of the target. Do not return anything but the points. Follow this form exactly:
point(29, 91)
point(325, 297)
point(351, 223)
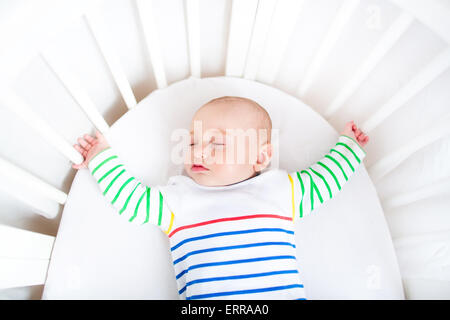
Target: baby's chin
point(209, 181)
point(201, 179)
point(210, 178)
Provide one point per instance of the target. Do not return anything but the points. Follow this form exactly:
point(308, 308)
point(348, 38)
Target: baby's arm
point(323, 180)
point(130, 197)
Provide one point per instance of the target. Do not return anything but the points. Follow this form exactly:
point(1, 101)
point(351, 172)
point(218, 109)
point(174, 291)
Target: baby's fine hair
point(266, 121)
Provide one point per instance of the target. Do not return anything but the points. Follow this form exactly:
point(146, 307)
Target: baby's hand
point(352, 131)
point(89, 147)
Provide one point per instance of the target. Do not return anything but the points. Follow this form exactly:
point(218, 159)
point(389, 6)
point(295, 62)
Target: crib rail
point(390, 38)
point(16, 105)
point(77, 91)
point(392, 160)
point(434, 14)
point(334, 31)
point(425, 192)
point(242, 19)
point(24, 257)
point(261, 28)
point(39, 195)
point(258, 38)
point(97, 29)
point(193, 32)
point(151, 39)
point(433, 70)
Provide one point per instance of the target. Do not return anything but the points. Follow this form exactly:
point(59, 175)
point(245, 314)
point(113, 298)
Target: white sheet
point(345, 249)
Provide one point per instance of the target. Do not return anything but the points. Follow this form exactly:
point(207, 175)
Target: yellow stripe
point(171, 223)
point(293, 204)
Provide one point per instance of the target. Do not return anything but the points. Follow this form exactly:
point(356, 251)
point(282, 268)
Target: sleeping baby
point(230, 218)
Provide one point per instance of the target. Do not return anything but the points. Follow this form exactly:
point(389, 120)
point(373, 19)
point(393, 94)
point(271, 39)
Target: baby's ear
point(264, 157)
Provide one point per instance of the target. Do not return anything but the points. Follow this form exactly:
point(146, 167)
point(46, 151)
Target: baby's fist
point(89, 147)
point(354, 132)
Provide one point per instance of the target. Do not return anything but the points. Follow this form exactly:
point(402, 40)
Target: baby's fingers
point(89, 139)
point(80, 150)
point(86, 145)
point(363, 139)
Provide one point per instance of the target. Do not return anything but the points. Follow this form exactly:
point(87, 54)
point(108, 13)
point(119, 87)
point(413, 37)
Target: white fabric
point(345, 249)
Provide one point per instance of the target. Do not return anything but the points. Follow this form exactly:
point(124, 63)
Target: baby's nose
point(201, 152)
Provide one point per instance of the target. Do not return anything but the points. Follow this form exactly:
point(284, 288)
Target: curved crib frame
point(259, 32)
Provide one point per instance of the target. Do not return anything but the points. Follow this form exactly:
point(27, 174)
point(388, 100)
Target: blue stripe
point(248, 245)
point(229, 293)
point(221, 263)
point(219, 234)
point(242, 276)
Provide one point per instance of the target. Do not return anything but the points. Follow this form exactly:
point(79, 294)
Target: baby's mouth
point(198, 167)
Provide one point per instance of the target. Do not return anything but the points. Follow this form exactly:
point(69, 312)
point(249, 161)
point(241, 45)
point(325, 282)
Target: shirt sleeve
point(320, 182)
point(136, 202)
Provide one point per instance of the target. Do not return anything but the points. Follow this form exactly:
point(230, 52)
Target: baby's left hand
point(352, 131)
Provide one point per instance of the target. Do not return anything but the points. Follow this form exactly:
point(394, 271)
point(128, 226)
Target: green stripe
point(351, 150)
point(325, 181)
point(345, 158)
point(128, 199)
point(107, 174)
point(98, 154)
point(332, 174)
point(104, 161)
point(148, 205)
point(112, 181)
point(313, 187)
point(311, 193)
point(303, 194)
point(338, 164)
point(160, 208)
point(137, 206)
point(120, 190)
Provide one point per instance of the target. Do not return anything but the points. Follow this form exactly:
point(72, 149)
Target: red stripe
point(229, 219)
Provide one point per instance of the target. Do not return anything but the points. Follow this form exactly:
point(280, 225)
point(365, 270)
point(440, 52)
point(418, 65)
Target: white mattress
point(345, 250)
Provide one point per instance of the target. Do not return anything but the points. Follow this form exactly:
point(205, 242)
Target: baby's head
point(231, 139)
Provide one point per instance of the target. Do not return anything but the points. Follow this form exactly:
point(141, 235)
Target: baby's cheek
point(220, 156)
point(187, 157)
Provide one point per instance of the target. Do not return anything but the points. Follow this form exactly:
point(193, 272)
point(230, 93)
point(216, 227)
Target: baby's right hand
point(89, 147)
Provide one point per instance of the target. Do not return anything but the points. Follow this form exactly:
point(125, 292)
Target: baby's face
point(227, 145)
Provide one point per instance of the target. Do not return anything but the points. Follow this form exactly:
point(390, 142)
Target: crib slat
point(22, 272)
point(261, 28)
point(111, 60)
point(24, 257)
point(15, 104)
point(148, 24)
point(434, 14)
point(24, 244)
point(433, 70)
point(428, 239)
point(193, 33)
point(74, 87)
point(389, 39)
point(45, 207)
point(391, 161)
point(241, 25)
point(10, 171)
point(432, 190)
point(344, 14)
point(283, 23)
point(26, 187)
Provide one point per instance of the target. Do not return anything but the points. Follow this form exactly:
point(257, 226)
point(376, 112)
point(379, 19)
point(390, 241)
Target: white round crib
point(67, 67)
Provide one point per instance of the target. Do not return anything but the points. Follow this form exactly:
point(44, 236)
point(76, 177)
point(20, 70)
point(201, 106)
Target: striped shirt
point(235, 241)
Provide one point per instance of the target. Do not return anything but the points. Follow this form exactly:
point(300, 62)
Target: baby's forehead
point(222, 119)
